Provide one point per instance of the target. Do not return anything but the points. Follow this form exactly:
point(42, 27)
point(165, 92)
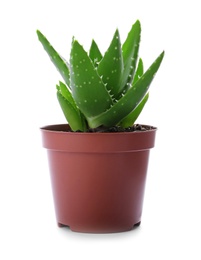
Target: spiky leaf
point(130, 50)
point(129, 101)
point(139, 71)
point(95, 54)
point(111, 66)
point(57, 60)
point(132, 117)
point(88, 90)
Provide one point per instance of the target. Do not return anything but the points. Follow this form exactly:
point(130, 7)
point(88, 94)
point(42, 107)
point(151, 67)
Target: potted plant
point(98, 161)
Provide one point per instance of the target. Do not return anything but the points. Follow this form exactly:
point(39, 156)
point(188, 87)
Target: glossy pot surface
point(98, 179)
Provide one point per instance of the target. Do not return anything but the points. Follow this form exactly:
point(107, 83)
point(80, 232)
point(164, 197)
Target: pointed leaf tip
point(138, 22)
point(161, 56)
point(39, 34)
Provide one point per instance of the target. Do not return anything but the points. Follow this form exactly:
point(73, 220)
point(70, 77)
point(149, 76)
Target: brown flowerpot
point(98, 179)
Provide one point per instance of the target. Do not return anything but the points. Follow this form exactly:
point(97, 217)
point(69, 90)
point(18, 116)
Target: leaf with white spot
point(88, 90)
point(130, 50)
point(139, 71)
point(132, 117)
point(95, 54)
point(111, 66)
point(129, 101)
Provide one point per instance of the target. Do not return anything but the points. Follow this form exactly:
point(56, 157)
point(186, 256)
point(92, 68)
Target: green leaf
point(132, 117)
point(73, 115)
point(95, 54)
point(139, 71)
point(129, 101)
point(57, 60)
point(88, 90)
point(66, 94)
point(130, 50)
point(111, 66)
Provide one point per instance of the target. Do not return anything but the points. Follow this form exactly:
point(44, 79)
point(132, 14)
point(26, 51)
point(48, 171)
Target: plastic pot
point(98, 179)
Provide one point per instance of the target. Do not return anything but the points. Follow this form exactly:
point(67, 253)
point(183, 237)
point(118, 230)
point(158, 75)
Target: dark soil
point(116, 129)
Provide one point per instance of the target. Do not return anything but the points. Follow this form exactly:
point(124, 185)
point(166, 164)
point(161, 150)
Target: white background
point(171, 222)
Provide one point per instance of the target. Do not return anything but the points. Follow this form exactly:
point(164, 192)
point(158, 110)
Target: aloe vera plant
point(103, 90)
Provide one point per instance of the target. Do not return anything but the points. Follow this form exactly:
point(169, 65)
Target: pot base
point(98, 179)
point(81, 230)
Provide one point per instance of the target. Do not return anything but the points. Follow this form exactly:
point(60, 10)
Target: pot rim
point(65, 127)
point(78, 142)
